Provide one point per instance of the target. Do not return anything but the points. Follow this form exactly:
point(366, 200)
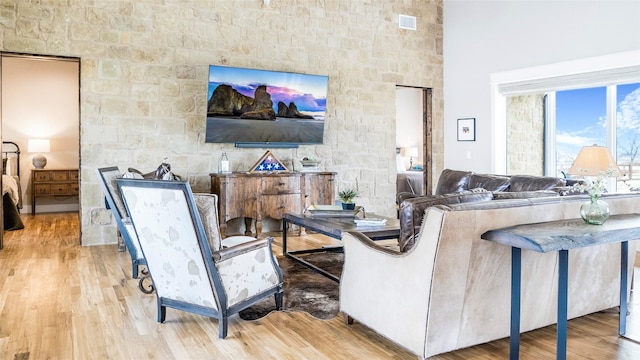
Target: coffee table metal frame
point(333, 227)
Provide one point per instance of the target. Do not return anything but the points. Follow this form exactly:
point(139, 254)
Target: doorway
point(414, 139)
point(40, 104)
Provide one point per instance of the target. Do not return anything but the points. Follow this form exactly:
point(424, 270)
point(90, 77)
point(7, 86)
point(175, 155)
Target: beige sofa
point(452, 289)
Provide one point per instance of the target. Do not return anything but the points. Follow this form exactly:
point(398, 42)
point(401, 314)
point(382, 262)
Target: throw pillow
point(452, 181)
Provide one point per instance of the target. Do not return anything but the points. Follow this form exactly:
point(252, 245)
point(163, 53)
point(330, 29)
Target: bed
point(11, 191)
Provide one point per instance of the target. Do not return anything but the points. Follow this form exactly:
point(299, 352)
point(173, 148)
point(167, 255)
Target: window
point(544, 81)
point(582, 118)
point(627, 120)
point(580, 121)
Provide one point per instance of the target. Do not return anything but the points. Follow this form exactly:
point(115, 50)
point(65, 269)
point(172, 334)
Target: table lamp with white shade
point(39, 146)
point(594, 161)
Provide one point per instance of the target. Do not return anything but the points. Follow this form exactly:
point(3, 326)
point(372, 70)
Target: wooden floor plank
point(60, 300)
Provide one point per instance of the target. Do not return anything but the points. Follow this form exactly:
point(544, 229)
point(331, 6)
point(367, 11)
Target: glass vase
point(224, 165)
point(594, 212)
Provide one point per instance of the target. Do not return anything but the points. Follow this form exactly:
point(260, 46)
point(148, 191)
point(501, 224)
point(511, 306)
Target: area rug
point(304, 289)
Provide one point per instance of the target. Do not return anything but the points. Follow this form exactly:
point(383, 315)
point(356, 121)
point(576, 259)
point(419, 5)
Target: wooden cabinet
point(319, 188)
point(58, 182)
point(257, 196)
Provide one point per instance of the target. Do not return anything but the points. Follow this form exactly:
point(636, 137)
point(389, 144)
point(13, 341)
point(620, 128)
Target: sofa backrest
point(470, 292)
point(456, 186)
point(451, 181)
point(489, 182)
point(529, 183)
point(411, 211)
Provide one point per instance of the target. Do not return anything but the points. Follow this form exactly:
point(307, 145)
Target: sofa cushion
point(412, 211)
point(530, 183)
point(453, 181)
point(502, 195)
point(489, 182)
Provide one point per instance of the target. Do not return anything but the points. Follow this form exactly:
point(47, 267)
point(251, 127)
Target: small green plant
point(346, 196)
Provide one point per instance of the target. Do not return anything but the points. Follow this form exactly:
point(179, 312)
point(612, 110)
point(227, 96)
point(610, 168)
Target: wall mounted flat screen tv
point(261, 108)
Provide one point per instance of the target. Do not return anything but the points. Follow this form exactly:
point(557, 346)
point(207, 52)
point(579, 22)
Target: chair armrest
point(248, 270)
point(389, 291)
point(235, 240)
point(233, 251)
point(404, 195)
point(385, 290)
point(370, 244)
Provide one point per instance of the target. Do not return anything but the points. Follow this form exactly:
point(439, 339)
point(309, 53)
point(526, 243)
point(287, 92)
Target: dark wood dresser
point(53, 182)
point(258, 195)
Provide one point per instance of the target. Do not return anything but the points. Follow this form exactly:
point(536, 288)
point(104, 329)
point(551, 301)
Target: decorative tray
point(331, 210)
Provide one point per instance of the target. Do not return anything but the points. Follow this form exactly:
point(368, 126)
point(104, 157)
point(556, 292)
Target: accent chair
point(188, 272)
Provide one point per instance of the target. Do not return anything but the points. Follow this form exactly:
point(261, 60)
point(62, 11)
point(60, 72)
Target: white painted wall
point(485, 37)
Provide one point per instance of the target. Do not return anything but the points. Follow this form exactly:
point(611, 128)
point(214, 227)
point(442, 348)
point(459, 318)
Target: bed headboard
point(10, 158)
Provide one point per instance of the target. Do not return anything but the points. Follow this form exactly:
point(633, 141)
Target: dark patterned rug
point(304, 289)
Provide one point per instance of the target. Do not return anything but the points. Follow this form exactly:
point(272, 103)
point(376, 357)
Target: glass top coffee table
point(334, 226)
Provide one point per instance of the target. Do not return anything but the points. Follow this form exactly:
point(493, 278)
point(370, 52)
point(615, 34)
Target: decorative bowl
point(309, 162)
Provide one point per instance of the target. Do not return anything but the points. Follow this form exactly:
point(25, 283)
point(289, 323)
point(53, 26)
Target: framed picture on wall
point(467, 129)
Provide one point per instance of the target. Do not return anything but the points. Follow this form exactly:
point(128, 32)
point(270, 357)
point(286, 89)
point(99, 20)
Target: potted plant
point(346, 196)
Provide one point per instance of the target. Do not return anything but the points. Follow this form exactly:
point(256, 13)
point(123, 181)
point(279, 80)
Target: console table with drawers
point(260, 195)
point(53, 182)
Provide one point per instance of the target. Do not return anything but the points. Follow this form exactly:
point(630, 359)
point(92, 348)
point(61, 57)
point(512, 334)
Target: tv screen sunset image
point(249, 105)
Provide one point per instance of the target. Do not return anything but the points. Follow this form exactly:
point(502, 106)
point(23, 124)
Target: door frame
point(5, 54)
point(427, 136)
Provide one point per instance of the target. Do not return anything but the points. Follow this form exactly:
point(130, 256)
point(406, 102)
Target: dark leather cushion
point(489, 182)
point(530, 183)
point(505, 195)
point(412, 211)
point(452, 181)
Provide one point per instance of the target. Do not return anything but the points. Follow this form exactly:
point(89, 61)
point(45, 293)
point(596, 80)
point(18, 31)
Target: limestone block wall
point(144, 67)
point(525, 134)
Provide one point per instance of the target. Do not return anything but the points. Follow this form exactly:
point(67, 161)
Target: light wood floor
point(59, 300)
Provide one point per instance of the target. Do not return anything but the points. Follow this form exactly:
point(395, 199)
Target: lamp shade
point(411, 151)
point(38, 145)
point(594, 161)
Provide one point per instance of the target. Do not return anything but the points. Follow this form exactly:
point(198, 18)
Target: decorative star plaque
point(268, 163)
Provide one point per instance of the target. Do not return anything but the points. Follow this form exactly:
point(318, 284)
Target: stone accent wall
point(525, 135)
point(144, 68)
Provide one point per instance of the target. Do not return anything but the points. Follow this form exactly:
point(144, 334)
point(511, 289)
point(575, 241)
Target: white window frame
point(611, 122)
point(608, 70)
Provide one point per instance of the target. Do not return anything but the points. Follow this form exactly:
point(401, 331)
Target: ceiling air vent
point(407, 22)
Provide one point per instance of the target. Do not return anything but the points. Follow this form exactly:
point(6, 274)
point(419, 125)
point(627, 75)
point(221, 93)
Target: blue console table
point(562, 236)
